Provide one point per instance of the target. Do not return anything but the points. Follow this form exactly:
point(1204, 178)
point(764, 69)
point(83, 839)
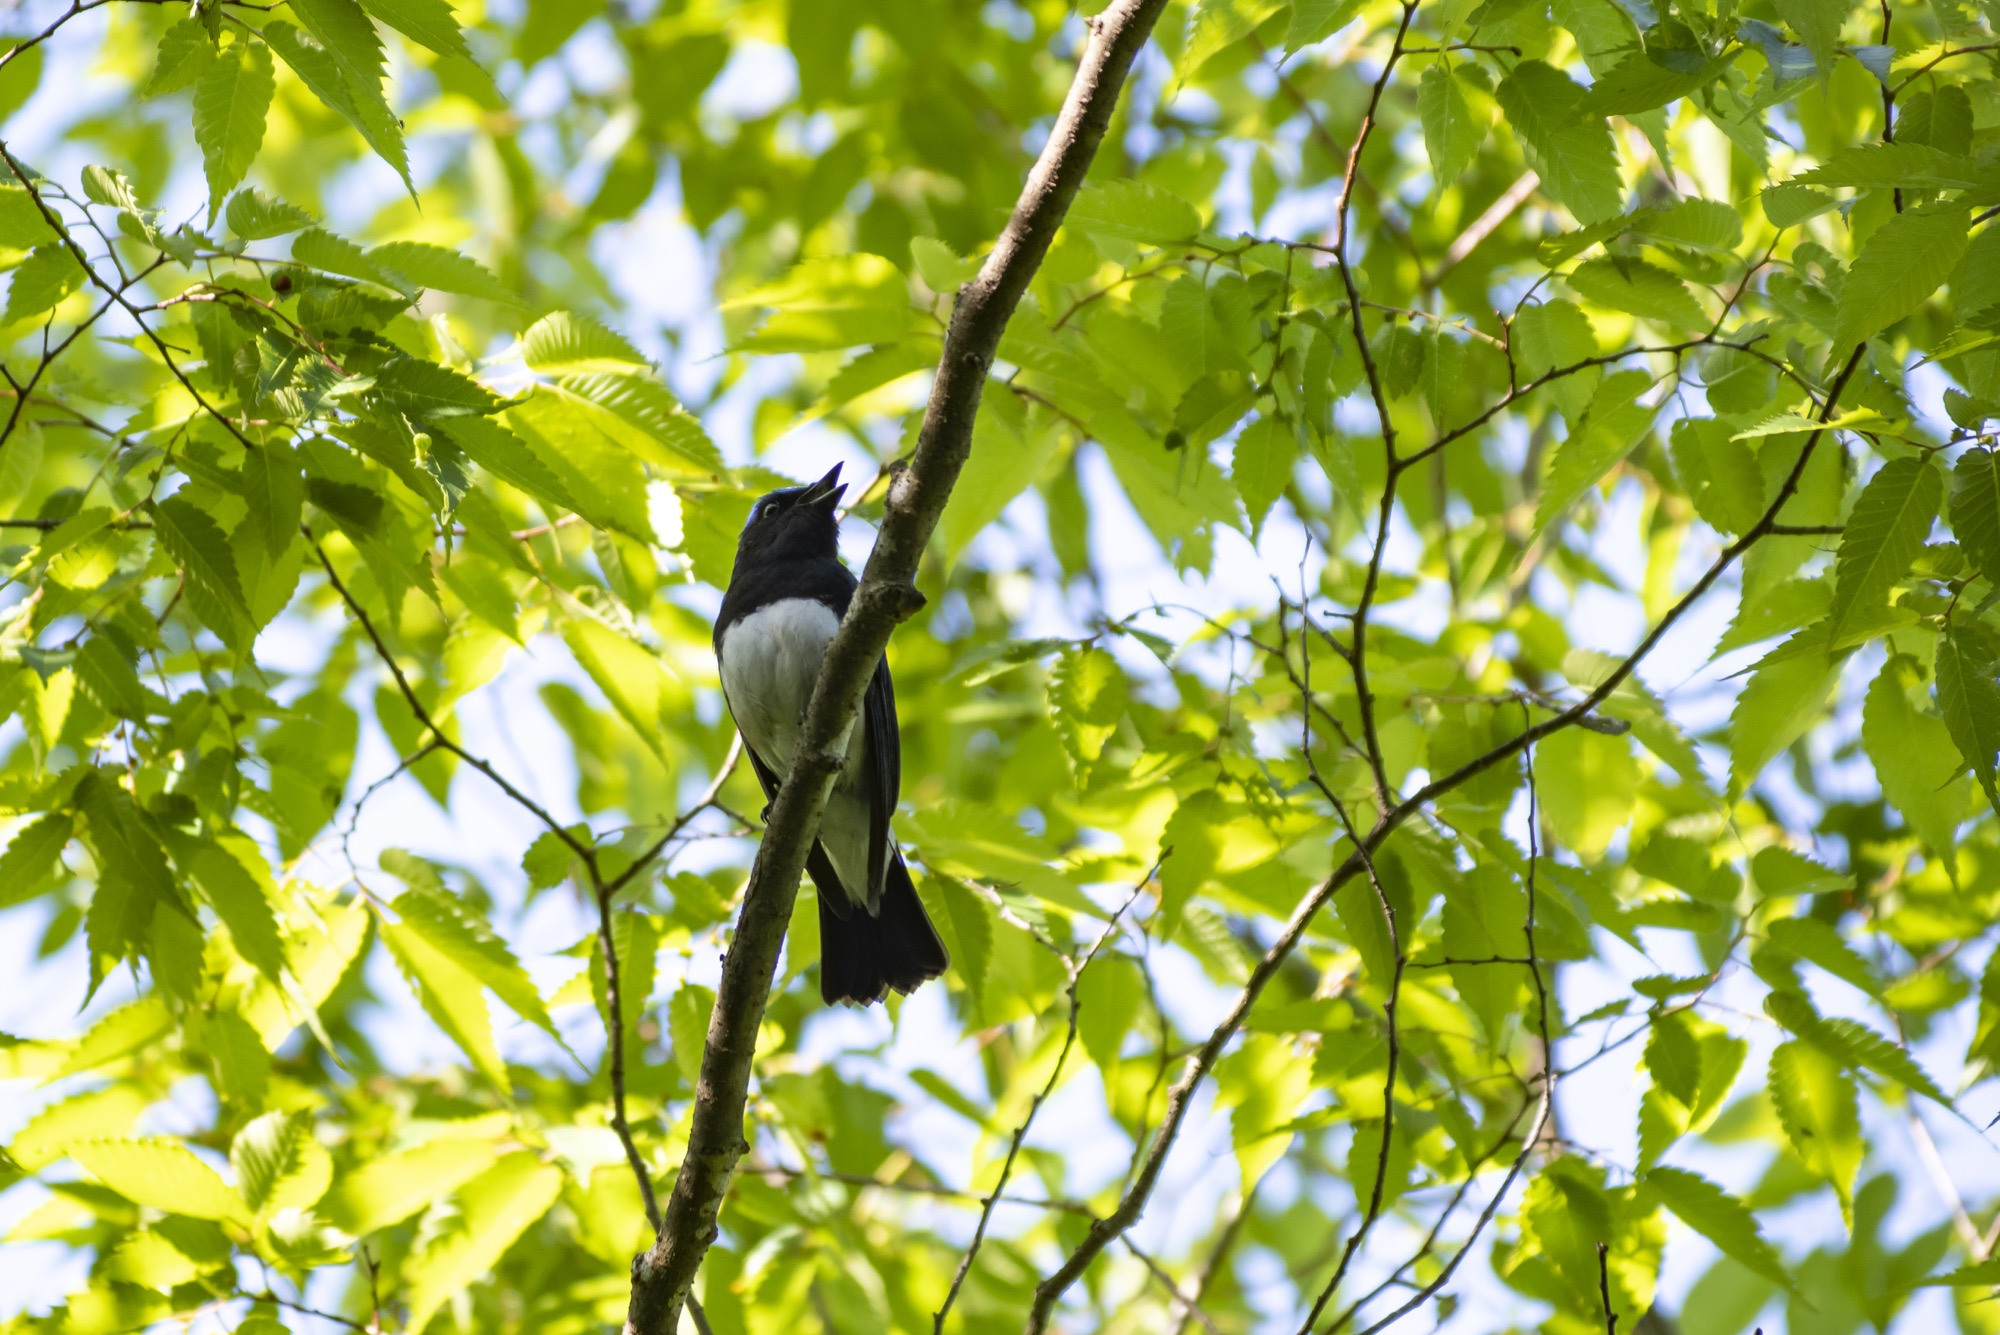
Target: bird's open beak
point(826, 492)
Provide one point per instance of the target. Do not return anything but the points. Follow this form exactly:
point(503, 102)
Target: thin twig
point(1075, 970)
point(1190, 1308)
point(932, 1189)
point(1604, 1288)
point(1198, 1065)
point(586, 854)
point(614, 1004)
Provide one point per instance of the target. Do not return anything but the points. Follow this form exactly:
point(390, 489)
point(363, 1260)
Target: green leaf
point(275, 490)
point(1884, 533)
point(202, 552)
point(1555, 335)
point(1706, 224)
point(688, 1014)
point(421, 265)
point(22, 75)
point(1818, 943)
point(1588, 785)
point(1133, 211)
point(1571, 150)
point(1673, 1057)
point(548, 860)
point(454, 930)
point(1218, 24)
point(1975, 509)
point(668, 436)
point(241, 1068)
point(1853, 1043)
point(840, 301)
point(636, 939)
point(32, 855)
point(1786, 692)
point(1969, 698)
point(231, 101)
point(279, 1166)
point(256, 216)
point(163, 1174)
point(604, 479)
point(22, 223)
point(450, 995)
point(186, 52)
point(1262, 462)
point(1717, 1216)
point(506, 456)
point(321, 249)
point(495, 1208)
point(561, 343)
point(1639, 83)
point(943, 269)
point(1612, 425)
point(119, 1034)
point(110, 187)
point(1316, 20)
point(1452, 131)
point(1262, 1085)
point(1485, 913)
point(135, 875)
point(390, 1189)
point(1009, 451)
point(108, 677)
point(429, 390)
point(1720, 474)
point(1638, 288)
point(428, 23)
point(1087, 698)
point(91, 1115)
point(1903, 262)
point(45, 278)
point(639, 686)
point(1108, 997)
point(355, 48)
point(1817, 22)
point(1789, 205)
point(1914, 758)
point(1815, 1102)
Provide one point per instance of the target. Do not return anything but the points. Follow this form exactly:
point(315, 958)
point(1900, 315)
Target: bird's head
point(794, 522)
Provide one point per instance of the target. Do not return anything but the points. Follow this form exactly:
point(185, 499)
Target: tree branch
point(1074, 968)
point(1199, 1063)
point(663, 1276)
point(584, 853)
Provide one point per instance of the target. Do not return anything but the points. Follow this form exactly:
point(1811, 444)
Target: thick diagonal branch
point(663, 1275)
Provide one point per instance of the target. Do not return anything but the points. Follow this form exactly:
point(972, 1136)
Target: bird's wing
point(768, 777)
point(825, 879)
point(885, 774)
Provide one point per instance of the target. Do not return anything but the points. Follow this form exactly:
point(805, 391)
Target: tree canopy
point(1450, 705)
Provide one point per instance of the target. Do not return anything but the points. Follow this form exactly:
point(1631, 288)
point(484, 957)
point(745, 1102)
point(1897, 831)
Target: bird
point(786, 596)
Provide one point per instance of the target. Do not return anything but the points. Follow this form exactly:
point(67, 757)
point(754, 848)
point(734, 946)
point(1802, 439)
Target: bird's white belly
point(770, 661)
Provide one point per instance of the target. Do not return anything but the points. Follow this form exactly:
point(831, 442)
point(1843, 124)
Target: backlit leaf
point(1884, 533)
point(230, 102)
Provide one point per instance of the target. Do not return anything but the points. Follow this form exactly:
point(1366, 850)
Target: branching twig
point(1180, 1098)
point(1075, 970)
point(1190, 1308)
point(614, 1003)
point(584, 852)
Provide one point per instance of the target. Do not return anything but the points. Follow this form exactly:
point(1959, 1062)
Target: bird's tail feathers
point(862, 957)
